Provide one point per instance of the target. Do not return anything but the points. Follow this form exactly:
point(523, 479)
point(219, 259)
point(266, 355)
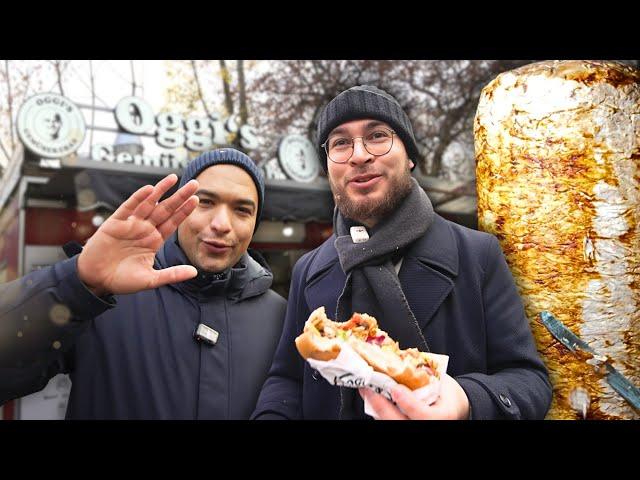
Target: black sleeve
point(41, 315)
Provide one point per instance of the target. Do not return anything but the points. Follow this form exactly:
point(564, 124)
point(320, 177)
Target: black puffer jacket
point(135, 356)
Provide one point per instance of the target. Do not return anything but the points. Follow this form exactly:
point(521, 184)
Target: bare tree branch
point(93, 104)
point(4, 150)
point(200, 94)
point(242, 97)
point(133, 79)
point(439, 96)
point(10, 105)
point(56, 66)
point(226, 85)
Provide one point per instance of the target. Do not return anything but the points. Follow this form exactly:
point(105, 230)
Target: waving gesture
point(119, 257)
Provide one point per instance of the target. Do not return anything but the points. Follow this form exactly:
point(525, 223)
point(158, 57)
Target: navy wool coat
point(464, 298)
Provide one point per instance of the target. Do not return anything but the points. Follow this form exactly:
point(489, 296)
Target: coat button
point(315, 374)
point(504, 399)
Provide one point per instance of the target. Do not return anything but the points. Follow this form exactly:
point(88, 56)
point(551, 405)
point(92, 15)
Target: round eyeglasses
point(339, 149)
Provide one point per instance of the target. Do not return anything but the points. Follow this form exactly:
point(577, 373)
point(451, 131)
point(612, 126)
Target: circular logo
point(298, 158)
point(50, 125)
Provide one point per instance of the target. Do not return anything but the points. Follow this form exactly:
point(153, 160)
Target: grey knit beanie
point(229, 156)
point(365, 101)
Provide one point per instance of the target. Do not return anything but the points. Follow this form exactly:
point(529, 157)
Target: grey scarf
point(372, 285)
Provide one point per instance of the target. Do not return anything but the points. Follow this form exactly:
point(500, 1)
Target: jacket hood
point(249, 277)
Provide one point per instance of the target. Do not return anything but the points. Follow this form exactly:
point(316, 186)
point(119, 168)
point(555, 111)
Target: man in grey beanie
point(166, 313)
point(430, 283)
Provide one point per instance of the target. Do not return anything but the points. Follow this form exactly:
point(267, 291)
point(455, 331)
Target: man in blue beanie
point(165, 313)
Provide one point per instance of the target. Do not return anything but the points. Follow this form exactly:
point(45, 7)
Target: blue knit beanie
point(229, 156)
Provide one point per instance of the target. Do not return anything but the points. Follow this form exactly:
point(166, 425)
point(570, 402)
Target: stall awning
point(96, 184)
point(284, 200)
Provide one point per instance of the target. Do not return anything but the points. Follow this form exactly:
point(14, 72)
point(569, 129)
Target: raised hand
point(119, 257)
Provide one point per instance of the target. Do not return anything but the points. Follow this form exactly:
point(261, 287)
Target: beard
point(371, 210)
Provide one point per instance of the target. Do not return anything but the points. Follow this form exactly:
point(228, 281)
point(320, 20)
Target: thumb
point(175, 274)
point(401, 394)
point(362, 392)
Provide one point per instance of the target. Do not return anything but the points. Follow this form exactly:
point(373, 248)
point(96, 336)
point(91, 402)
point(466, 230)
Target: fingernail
point(395, 393)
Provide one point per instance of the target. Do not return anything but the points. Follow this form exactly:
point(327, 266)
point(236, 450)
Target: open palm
point(119, 257)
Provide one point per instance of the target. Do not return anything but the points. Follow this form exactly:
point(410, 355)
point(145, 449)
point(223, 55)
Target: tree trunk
point(56, 64)
point(93, 104)
point(242, 98)
point(226, 82)
point(10, 106)
point(133, 79)
point(197, 78)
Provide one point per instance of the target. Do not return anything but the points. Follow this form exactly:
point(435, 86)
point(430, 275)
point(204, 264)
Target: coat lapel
point(428, 270)
point(325, 279)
